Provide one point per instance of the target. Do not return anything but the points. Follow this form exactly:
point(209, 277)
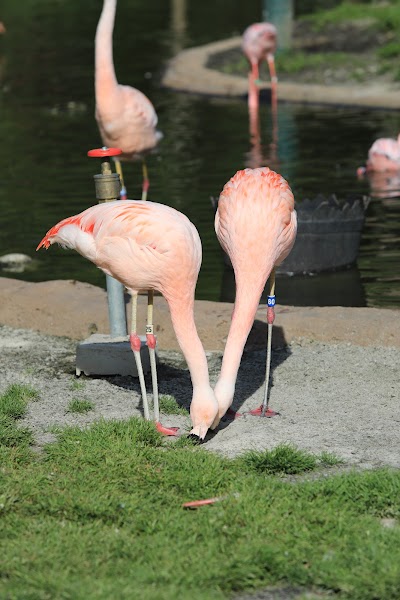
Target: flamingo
point(150, 246)
point(384, 155)
point(258, 44)
point(2, 27)
point(125, 116)
point(256, 225)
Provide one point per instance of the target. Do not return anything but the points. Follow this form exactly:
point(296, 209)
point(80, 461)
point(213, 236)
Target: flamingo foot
point(257, 412)
point(166, 430)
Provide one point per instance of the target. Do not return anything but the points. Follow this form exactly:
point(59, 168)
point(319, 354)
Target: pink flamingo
point(2, 27)
point(258, 44)
point(150, 246)
point(256, 226)
point(125, 116)
point(384, 155)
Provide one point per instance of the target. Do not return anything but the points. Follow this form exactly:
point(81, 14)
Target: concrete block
point(105, 355)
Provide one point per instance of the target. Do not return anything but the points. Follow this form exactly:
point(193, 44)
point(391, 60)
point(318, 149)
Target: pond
point(47, 125)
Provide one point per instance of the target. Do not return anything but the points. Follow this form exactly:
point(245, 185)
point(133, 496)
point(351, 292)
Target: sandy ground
point(335, 376)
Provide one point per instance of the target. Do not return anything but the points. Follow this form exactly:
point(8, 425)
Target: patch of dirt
point(339, 398)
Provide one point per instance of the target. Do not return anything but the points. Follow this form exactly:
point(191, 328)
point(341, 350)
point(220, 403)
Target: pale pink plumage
point(125, 116)
point(149, 246)
point(258, 44)
point(258, 41)
point(256, 226)
point(384, 155)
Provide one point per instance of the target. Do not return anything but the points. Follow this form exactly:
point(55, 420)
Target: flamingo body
point(384, 155)
point(258, 41)
point(256, 226)
point(146, 245)
point(258, 44)
point(126, 118)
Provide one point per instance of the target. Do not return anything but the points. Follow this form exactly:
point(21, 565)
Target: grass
point(169, 406)
point(15, 441)
point(80, 406)
point(312, 65)
point(286, 460)
point(290, 62)
point(384, 15)
point(77, 385)
point(14, 401)
point(100, 515)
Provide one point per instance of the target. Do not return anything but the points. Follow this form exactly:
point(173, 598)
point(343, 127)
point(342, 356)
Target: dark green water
point(47, 125)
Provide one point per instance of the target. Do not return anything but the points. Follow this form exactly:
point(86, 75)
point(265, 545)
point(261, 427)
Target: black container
point(328, 235)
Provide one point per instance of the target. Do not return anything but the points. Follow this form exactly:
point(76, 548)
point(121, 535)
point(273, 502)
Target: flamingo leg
point(254, 92)
point(151, 344)
point(136, 345)
point(118, 167)
point(263, 410)
point(146, 181)
point(274, 98)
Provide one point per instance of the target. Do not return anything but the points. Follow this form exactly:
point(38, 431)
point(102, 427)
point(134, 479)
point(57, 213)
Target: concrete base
point(103, 355)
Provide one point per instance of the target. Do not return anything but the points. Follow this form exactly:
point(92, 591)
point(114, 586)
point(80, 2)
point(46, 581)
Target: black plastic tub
point(328, 235)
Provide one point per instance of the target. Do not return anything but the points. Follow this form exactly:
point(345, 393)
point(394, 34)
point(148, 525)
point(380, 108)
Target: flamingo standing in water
point(256, 226)
point(150, 246)
point(125, 116)
point(384, 155)
point(258, 44)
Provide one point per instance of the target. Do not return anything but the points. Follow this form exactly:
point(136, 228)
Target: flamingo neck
point(104, 64)
point(184, 325)
point(248, 295)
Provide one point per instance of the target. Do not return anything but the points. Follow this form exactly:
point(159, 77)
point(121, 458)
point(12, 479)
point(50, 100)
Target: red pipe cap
point(103, 152)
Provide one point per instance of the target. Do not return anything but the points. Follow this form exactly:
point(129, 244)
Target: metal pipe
point(116, 307)
point(281, 14)
point(108, 187)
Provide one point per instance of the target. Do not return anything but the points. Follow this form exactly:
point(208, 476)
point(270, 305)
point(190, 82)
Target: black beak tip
point(194, 438)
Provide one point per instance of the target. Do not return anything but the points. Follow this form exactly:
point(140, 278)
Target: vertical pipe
point(116, 307)
point(108, 186)
point(280, 13)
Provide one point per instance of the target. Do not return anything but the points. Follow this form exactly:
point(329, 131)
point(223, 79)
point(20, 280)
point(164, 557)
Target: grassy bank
point(99, 514)
point(353, 42)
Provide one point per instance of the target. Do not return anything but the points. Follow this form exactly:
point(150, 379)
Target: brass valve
point(107, 183)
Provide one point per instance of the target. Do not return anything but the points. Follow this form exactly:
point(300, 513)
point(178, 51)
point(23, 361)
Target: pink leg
point(136, 345)
point(263, 410)
point(118, 168)
point(274, 99)
point(254, 92)
point(151, 344)
point(146, 181)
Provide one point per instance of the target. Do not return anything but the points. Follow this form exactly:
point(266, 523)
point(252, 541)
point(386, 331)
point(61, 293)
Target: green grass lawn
point(99, 515)
point(80, 406)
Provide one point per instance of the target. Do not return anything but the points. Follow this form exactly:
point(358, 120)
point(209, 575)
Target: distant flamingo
point(2, 27)
point(258, 44)
point(125, 116)
point(256, 226)
point(149, 246)
point(384, 155)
